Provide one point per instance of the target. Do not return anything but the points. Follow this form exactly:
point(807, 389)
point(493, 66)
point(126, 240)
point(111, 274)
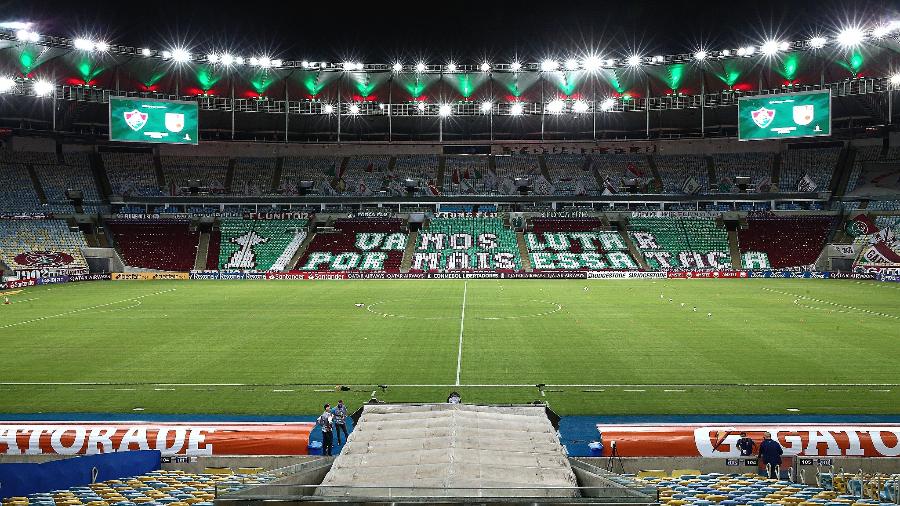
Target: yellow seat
point(220, 470)
point(249, 470)
point(681, 472)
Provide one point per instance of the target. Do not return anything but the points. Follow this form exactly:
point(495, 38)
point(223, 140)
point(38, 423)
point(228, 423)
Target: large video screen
point(151, 120)
point(787, 115)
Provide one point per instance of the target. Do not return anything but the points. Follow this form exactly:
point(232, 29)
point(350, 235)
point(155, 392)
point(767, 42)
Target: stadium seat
point(481, 243)
point(575, 244)
point(681, 243)
point(783, 241)
point(35, 244)
point(356, 245)
point(259, 245)
point(168, 245)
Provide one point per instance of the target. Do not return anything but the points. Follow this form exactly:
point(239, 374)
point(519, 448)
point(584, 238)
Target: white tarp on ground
point(451, 450)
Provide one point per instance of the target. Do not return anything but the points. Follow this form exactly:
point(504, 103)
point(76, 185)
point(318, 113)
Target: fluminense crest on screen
point(135, 119)
point(763, 117)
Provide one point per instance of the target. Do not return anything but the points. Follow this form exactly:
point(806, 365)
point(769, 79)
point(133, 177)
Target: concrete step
point(409, 252)
point(523, 252)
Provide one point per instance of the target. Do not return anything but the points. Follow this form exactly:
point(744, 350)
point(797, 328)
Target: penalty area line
point(443, 385)
point(462, 322)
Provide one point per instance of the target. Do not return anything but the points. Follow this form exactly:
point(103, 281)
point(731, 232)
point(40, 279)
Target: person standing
point(745, 445)
point(324, 421)
point(770, 453)
point(340, 421)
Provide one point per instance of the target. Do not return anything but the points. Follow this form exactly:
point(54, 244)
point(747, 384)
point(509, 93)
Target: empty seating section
point(41, 244)
point(364, 174)
point(819, 163)
point(469, 243)
point(783, 241)
point(357, 245)
point(177, 488)
point(756, 166)
point(421, 168)
point(17, 192)
point(464, 174)
point(681, 243)
point(572, 174)
point(212, 253)
point(574, 244)
point(318, 169)
point(259, 245)
point(209, 170)
point(168, 245)
point(513, 166)
point(891, 222)
point(253, 176)
point(131, 174)
point(675, 170)
point(73, 174)
point(884, 205)
point(619, 167)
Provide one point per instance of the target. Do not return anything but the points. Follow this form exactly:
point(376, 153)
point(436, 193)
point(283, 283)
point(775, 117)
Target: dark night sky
point(383, 31)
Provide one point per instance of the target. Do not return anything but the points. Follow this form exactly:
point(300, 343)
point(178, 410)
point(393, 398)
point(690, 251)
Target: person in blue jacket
point(770, 453)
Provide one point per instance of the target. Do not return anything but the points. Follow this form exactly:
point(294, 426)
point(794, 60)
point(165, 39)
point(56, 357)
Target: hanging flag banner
point(192, 439)
point(720, 440)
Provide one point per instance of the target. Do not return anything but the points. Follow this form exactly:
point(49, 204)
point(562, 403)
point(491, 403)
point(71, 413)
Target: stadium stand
point(884, 205)
point(575, 244)
point(783, 241)
point(17, 192)
point(209, 170)
point(131, 174)
point(253, 176)
point(681, 243)
point(618, 167)
point(75, 174)
point(364, 175)
point(675, 171)
point(41, 244)
point(259, 245)
point(215, 248)
point(818, 163)
point(471, 243)
point(572, 174)
point(357, 245)
point(308, 168)
point(464, 175)
point(157, 487)
point(168, 245)
point(756, 166)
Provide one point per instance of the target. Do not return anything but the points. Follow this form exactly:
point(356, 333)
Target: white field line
point(835, 304)
point(67, 313)
point(462, 323)
point(441, 385)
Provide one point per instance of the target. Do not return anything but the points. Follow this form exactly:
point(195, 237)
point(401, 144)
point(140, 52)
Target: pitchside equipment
point(785, 115)
point(154, 121)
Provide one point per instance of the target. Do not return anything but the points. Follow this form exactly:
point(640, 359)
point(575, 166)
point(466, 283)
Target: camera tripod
point(614, 460)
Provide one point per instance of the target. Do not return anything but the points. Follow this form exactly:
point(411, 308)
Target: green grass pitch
point(601, 347)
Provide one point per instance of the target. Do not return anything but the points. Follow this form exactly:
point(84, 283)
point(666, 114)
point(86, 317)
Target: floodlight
point(43, 88)
point(101, 46)
point(607, 104)
point(304, 64)
point(880, 31)
point(397, 67)
point(226, 59)
point(212, 58)
point(549, 65)
point(784, 46)
point(487, 106)
point(83, 44)
point(27, 36)
point(238, 60)
point(146, 52)
point(421, 106)
point(726, 53)
point(700, 55)
point(516, 109)
point(850, 37)
point(555, 106)
point(420, 67)
point(348, 65)
point(353, 109)
point(658, 59)
point(15, 25)
point(571, 64)
point(6, 84)
point(515, 66)
point(742, 51)
point(328, 109)
point(769, 48)
point(592, 63)
point(609, 62)
point(276, 63)
point(633, 60)
point(485, 66)
point(445, 110)
point(167, 54)
point(750, 50)
point(381, 106)
point(895, 79)
point(580, 106)
point(451, 67)
point(817, 42)
point(181, 55)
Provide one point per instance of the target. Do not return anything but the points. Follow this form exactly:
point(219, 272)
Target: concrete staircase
point(523, 252)
point(35, 181)
point(300, 251)
point(409, 251)
point(202, 252)
point(635, 252)
point(735, 249)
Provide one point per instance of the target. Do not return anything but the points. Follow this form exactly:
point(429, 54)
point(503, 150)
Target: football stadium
point(592, 274)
